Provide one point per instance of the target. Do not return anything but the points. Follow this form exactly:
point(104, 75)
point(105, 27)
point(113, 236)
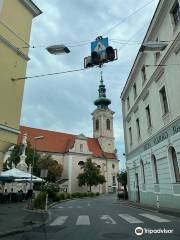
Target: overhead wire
point(124, 19)
point(49, 74)
point(79, 43)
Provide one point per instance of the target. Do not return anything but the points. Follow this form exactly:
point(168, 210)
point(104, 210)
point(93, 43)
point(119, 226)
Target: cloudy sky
point(65, 102)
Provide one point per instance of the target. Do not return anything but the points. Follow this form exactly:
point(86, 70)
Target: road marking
point(70, 207)
point(59, 221)
point(83, 220)
point(60, 207)
point(107, 219)
point(154, 218)
point(130, 218)
point(89, 204)
point(79, 207)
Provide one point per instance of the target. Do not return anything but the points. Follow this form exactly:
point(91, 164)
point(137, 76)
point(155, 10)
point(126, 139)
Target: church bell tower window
point(97, 124)
point(108, 124)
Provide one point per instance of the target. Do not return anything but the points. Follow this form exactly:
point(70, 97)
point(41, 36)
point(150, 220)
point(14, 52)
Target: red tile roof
point(57, 142)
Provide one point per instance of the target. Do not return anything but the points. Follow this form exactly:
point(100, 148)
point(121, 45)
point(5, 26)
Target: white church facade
point(71, 150)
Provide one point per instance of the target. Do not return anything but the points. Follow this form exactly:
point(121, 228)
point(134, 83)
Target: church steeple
point(102, 102)
point(103, 120)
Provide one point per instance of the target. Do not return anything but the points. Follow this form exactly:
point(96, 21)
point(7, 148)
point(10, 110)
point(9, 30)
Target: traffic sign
point(99, 45)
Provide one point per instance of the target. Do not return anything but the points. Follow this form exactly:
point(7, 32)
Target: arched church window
point(81, 163)
point(108, 124)
point(97, 124)
point(154, 167)
point(175, 163)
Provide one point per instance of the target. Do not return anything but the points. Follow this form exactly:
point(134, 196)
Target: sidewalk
point(15, 218)
point(168, 211)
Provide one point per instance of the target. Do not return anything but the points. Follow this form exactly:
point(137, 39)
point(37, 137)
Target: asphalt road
point(102, 218)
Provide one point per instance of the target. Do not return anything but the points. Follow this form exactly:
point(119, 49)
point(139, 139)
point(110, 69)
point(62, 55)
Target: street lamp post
point(32, 165)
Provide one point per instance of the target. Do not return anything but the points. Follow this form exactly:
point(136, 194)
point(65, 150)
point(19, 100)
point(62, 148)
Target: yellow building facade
point(15, 27)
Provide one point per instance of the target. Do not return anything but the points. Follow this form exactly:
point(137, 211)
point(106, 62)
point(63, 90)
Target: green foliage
point(15, 158)
point(40, 201)
point(97, 193)
point(54, 168)
point(73, 195)
point(62, 196)
point(51, 189)
point(122, 177)
point(91, 175)
point(91, 194)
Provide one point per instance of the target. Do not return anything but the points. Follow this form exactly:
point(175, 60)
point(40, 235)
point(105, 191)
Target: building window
point(130, 136)
point(143, 172)
point(157, 54)
point(97, 124)
point(148, 114)
point(114, 180)
point(81, 163)
point(154, 168)
point(135, 90)
point(138, 128)
point(175, 164)
point(128, 103)
point(143, 72)
point(108, 124)
point(81, 147)
point(113, 166)
point(176, 13)
point(164, 102)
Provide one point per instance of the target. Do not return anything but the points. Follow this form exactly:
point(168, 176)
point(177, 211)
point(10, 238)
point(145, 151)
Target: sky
point(64, 102)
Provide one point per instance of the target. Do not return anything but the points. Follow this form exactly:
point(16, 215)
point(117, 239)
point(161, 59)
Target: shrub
point(85, 194)
point(61, 196)
point(40, 201)
point(73, 195)
point(97, 193)
point(68, 195)
point(51, 189)
point(91, 194)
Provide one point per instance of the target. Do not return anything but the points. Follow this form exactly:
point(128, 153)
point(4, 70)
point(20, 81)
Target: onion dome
point(102, 102)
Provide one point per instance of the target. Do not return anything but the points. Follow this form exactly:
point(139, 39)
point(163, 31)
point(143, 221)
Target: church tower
point(103, 120)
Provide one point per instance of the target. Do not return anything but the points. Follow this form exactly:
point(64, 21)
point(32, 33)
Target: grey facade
point(151, 114)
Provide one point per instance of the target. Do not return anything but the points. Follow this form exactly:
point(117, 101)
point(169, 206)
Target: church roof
point(57, 142)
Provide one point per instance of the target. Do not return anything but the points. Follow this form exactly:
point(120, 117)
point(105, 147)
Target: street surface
point(101, 218)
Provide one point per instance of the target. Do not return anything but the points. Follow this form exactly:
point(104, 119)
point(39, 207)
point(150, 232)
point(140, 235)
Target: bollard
point(157, 202)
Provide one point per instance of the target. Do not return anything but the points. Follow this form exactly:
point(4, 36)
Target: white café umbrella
point(20, 176)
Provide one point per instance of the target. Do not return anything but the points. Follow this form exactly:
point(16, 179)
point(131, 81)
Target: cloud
point(64, 102)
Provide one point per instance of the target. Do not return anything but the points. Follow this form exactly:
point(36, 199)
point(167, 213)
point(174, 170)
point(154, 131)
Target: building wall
point(105, 168)
point(15, 20)
point(165, 128)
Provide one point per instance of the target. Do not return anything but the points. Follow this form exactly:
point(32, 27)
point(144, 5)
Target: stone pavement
point(15, 218)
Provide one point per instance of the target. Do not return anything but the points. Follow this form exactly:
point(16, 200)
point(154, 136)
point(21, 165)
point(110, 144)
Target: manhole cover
point(116, 235)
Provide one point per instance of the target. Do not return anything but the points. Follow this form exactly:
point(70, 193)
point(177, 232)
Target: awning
point(20, 176)
point(6, 179)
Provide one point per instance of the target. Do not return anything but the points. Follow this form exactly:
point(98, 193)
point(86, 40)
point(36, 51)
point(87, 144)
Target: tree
point(122, 178)
point(91, 175)
point(54, 168)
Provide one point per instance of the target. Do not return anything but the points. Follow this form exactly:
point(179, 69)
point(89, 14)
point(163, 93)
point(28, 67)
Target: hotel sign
point(162, 136)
